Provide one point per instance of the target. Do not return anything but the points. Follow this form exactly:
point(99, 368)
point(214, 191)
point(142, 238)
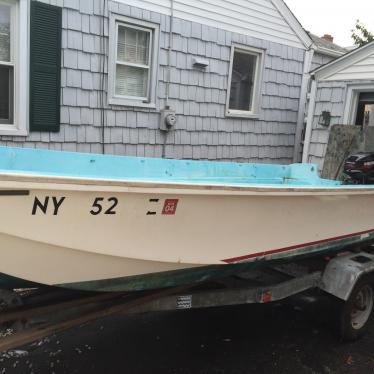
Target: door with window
point(365, 109)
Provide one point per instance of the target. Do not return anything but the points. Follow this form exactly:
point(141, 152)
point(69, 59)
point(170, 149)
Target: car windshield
point(360, 157)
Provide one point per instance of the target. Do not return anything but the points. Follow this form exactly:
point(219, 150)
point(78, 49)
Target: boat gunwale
point(143, 186)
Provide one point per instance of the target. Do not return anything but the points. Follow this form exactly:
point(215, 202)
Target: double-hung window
point(133, 65)
point(7, 57)
point(13, 67)
point(244, 88)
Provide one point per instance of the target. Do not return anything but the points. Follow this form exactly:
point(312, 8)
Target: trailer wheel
point(356, 312)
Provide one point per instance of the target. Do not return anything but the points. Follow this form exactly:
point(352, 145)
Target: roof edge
point(340, 63)
point(293, 22)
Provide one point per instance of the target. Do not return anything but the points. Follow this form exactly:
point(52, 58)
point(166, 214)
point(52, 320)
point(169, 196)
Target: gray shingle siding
point(319, 60)
point(330, 96)
point(199, 97)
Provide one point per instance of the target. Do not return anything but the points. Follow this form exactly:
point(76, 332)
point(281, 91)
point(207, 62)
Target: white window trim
point(351, 101)
point(154, 29)
point(256, 100)
point(21, 71)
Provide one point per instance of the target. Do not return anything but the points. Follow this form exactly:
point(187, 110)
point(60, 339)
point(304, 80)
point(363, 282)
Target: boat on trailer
point(115, 223)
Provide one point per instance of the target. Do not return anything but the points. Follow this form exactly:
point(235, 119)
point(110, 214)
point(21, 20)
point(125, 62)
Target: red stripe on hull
point(298, 246)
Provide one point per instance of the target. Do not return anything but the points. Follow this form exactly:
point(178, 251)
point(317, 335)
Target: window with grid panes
point(133, 63)
point(133, 58)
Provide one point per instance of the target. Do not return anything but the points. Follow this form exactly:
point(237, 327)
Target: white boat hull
point(53, 233)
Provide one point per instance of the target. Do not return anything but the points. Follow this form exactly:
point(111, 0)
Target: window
point(13, 67)
point(7, 38)
point(133, 65)
point(244, 82)
point(133, 62)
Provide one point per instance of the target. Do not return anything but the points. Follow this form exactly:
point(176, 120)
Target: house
point(161, 78)
point(342, 93)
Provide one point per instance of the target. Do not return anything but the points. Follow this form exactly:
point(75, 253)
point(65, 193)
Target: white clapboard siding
point(363, 70)
point(256, 18)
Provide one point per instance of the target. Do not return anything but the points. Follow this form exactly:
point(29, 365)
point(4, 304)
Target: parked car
point(359, 168)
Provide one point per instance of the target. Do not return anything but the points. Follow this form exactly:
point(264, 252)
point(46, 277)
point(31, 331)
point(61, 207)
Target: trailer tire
point(357, 312)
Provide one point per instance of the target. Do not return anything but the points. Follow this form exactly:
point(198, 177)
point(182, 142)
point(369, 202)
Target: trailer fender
point(343, 272)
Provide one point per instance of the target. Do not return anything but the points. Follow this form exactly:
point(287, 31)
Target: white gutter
point(308, 58)
point(309, 123)
point(329, 52)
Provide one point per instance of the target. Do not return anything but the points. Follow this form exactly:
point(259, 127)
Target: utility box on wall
point(168, 119)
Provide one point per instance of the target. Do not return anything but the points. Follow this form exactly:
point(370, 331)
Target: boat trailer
point(347, 277)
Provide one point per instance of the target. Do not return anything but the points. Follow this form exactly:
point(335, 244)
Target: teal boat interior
point(124, 168)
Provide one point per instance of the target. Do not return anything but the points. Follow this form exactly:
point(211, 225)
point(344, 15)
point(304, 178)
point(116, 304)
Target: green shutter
point(45, 67)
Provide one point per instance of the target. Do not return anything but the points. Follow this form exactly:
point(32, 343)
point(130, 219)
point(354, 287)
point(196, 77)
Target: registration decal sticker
point(170, 207)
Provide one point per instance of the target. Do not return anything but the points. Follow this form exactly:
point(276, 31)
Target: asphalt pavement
point(292, 337)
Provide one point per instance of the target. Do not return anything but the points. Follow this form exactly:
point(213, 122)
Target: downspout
point(102, 77)
point(168, 75)
point(170, 50)
point(309, 123)
point(302, 103)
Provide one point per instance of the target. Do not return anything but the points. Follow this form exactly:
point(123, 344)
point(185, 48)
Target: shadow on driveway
point(293, 337)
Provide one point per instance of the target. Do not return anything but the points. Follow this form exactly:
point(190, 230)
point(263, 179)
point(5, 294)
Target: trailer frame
point(348, 277)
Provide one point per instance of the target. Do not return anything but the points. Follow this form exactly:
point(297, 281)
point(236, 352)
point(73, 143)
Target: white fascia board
point(293, 22)
point(344, 61)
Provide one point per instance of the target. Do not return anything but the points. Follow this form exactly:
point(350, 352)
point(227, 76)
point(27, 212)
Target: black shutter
point(45, 67)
